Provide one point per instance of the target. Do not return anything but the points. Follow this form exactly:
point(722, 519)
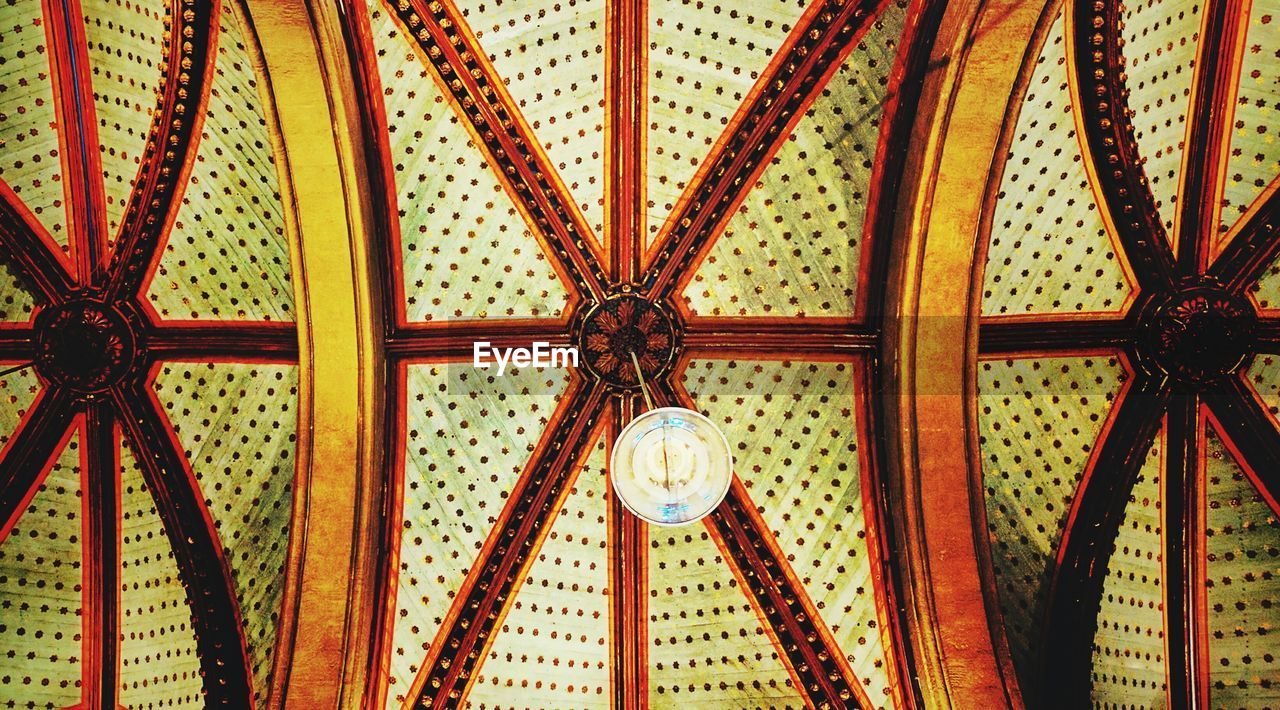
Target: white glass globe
point(671, 466)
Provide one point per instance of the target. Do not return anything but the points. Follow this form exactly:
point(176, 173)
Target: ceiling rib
point(255, 342)
point(1248, 427)
point(827, 32)
point(1218, 61)
point(81, 157)
point(1185, 608)
point(626, 56)
point(28, 248)
point(1253, 249)
point(30, 453)
point(1096, 69)
point(629, 578)
point(806, 645)
point(101, 470)
point(224, 660)
point(450, 340)
point(1075, 594)
point(16, 345)
point(1005, 337)
point(777, 335)
point(485, 596)
point(472, 82)
point(170, 148)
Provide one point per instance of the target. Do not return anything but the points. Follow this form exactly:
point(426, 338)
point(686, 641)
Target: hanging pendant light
point(670, 466)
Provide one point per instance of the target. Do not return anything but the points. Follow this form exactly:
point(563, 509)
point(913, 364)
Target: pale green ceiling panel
point(41, 582)
point(16, 302)
point(1243, 549)
point(1161, 41)
point(1038, 424)
point(1049, 250)
point(1264, 375)
point(17, 392)
point(704, 57)
point(1255, 136)
point(707, 648)
point(552, 650)
point(466, 251)
point(796, 450)
point(30, 161)
point(158, 662)
point(227, 257)
point(1128, 647)
point(794, 246)
point(467, 442)
point(127, 61)
point(551, 59)
point(238, 426)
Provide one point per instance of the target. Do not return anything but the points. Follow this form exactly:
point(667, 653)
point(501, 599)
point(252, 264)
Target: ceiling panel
point(1161, 42)
point(1254, 159)
point(158, 662)
point(704, 57)
point(1128, 648)
point(707, 647)
point(41, 577)
point(550, 56)
point(238, 425)
point(466, 251)
point(16, 302)
point(227, 257)
point(1038, 423)
point(795, 431)
point(30, 162)
point(127, 60)
point(1243, 550)
point(1049, 251)
point(795, 245)
point(467, 441)
point(552, 649)
point(17, 392)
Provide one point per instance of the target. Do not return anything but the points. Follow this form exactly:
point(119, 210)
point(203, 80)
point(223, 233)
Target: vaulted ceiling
point(731, 185)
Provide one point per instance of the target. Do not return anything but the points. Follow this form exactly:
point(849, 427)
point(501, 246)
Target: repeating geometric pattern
point(227, 256)
point(1128, 652)
point(795, 245)
point(1038, 421)
point(16, 303)
point(41, 582)
point(1161, 41)
point(127, 57)
point(796, 450)
point(459, 93)
point(1049, 251)
point(1254, 158)
point(551, 59)
point(30, 163)
point(17, 392)
point(1264, 375)
point(552, 650)
point(1243, 549)
point(466, 252)
point(706, 645)
point(704, 57)
point(238, 425)
point(158, 662)
point(111, 59)
point(468, 441)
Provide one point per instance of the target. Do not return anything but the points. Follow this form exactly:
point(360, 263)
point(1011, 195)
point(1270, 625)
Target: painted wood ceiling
point(735, 164)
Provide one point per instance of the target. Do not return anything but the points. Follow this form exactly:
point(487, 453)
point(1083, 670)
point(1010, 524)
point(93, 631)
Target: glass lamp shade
point(671, 466)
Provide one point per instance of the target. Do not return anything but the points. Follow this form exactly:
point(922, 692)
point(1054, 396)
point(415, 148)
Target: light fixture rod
point(644, 389)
